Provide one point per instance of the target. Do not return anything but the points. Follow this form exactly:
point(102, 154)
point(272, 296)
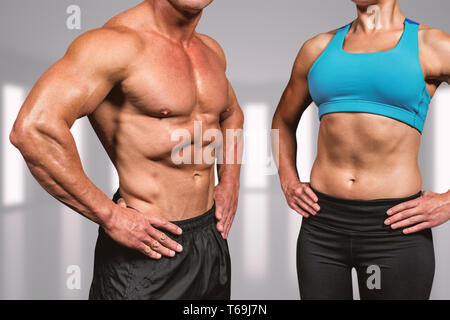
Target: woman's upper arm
point(435, 55)
point(296, 97)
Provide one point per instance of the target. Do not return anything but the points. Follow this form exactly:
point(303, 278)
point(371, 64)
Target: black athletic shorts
point(201, 271)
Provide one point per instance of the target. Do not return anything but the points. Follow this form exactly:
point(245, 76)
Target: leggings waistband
point(354, 215)
point(188, 225)
point(373, 202)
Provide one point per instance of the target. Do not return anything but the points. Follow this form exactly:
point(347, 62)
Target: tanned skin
point(138, 78)
point(360, 155)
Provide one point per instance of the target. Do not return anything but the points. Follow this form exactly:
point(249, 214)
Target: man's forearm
point(51, 155)
point(230, 167)
point(229, 174)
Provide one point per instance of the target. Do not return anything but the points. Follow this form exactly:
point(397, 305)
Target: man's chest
point(171, 83)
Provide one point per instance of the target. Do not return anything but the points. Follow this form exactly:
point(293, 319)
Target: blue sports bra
point(389, 83)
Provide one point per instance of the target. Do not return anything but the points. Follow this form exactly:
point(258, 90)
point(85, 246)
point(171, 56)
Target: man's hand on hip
point(135, 230)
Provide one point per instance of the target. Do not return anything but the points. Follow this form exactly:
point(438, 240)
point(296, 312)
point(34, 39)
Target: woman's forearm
point(286, 147)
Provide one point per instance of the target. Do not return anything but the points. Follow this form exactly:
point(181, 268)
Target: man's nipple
point(165, 112)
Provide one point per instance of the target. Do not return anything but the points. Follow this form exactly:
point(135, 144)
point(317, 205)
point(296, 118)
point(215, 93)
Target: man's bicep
point(233, 107)
point(67, 91)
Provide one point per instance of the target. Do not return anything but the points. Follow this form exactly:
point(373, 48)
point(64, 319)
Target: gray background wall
point(39, 238)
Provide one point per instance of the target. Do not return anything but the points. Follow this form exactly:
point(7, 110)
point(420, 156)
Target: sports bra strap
point(410, 37)
point(339, 37)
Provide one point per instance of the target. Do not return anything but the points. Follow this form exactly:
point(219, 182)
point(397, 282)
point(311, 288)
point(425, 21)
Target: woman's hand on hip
point(430, 210)
point(301, 198)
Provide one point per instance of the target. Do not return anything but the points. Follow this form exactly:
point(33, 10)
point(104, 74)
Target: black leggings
point(351, 233)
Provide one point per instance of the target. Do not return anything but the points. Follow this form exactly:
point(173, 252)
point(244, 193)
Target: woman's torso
point(366, 156)
point(372, 108)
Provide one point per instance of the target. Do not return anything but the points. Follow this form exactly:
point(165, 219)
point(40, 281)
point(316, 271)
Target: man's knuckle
point(147, 231)
point(162, 237)
point(137, 244)
point(155, 244)
point(143, 235)
point(432, 220)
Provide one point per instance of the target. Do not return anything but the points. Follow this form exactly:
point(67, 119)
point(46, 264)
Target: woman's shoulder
point(313, 48)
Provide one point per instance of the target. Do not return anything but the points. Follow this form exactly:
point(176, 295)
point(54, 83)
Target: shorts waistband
point(356, 216)
point(188, 225)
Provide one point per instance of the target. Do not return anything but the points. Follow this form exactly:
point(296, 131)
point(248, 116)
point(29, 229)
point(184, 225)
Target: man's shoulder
point(107, 51)
point(107, 39)
point(212, 45)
